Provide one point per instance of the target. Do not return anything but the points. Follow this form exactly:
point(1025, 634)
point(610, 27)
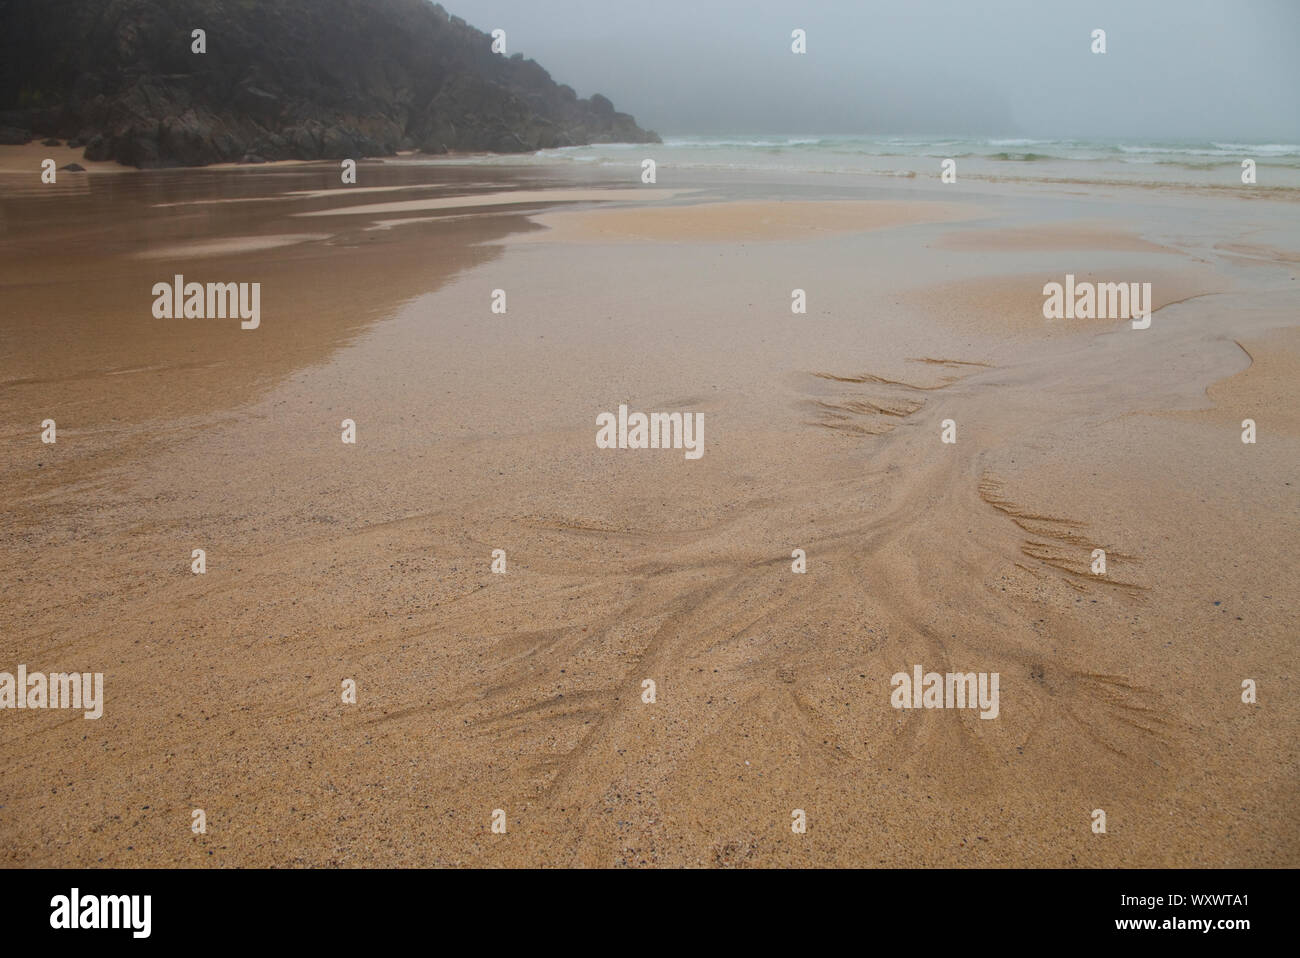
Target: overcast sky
point(1193, 69)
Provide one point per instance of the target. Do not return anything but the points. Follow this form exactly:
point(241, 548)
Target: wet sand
point(738, 222)
point(475, 432)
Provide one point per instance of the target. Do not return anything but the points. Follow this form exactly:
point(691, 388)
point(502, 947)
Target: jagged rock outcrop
point(281, 79)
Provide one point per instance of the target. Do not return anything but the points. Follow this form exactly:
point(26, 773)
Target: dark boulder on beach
point(296, 79)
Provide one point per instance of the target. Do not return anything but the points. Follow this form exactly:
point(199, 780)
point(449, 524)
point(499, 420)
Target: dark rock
point(363, 80)
point(252, 158)
point(51, 142)
point(96, 148)
point(74, 168)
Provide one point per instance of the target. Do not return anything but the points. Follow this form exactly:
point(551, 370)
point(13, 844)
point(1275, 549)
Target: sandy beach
point(475, 432)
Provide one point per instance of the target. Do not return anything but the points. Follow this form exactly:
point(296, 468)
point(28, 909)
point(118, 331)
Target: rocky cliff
point(280, 79)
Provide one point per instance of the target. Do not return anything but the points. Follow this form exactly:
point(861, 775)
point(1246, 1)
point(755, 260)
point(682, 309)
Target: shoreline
point(19, 160)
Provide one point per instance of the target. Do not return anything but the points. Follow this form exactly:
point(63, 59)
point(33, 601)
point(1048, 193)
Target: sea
point(1206, 164)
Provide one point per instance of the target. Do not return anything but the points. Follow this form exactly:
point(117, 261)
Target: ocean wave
point(691, 142)
point(1022, 142)
point(1216, 149)
point(1025, 157)
point(1176, 163)
point(1272, 149)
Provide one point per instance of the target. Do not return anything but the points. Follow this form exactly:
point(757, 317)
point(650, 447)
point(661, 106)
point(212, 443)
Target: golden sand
point(1014, 304)
point(523, 692)
point(1264, 390)
point(501, 198)
point(1075, 236)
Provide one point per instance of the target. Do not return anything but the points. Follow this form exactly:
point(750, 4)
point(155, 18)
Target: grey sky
point(1195, 69)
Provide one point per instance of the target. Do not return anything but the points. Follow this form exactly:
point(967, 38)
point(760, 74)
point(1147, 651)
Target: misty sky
point(1174, 69)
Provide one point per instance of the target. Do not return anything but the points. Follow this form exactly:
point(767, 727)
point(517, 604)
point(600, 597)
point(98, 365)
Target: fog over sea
point(1208, 163)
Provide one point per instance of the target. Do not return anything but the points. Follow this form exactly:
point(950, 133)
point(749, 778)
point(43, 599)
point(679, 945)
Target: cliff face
point(281, 79)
